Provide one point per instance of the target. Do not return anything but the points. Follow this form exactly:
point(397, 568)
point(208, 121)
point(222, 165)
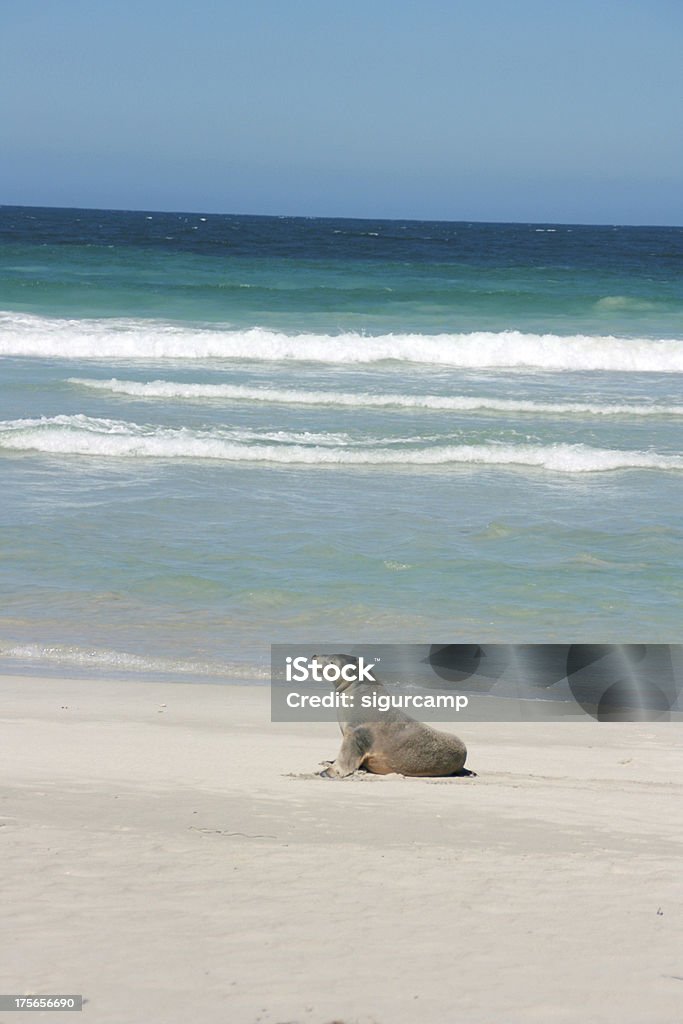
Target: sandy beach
point(169, 853)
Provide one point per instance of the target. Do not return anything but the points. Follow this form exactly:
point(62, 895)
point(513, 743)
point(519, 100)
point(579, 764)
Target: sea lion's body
point(383, 742)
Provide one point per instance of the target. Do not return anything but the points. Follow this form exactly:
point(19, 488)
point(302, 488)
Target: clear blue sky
point(517, 110)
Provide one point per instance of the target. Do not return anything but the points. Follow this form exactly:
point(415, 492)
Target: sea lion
point(382, 742)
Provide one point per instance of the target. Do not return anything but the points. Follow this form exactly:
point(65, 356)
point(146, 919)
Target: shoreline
point(169, 852)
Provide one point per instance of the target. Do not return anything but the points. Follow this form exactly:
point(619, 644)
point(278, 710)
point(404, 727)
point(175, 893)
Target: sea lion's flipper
point(355, 746)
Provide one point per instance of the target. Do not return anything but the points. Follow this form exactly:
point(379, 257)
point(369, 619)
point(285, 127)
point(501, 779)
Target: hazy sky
point(517, 110)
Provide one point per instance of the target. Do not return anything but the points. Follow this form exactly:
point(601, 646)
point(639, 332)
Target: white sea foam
point(80, 435)
point(292, 396)
point(25, 335)
point(121, 661)
point(90, 426)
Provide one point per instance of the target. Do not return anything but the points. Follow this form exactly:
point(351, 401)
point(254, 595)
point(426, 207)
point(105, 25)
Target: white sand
point(168, 852)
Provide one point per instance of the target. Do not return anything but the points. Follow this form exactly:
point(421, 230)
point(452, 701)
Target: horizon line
point(303, 216)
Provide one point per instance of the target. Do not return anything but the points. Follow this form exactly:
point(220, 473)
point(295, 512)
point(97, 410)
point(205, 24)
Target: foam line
point(365, 400)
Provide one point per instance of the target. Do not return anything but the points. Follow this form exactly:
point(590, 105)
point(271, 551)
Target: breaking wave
point(26, 335)
point(101, 438)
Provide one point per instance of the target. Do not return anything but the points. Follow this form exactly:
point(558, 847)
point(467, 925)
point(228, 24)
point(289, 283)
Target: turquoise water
point(222, 432)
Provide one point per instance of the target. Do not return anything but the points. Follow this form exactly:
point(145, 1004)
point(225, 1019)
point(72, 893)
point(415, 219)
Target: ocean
point(222, 432)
